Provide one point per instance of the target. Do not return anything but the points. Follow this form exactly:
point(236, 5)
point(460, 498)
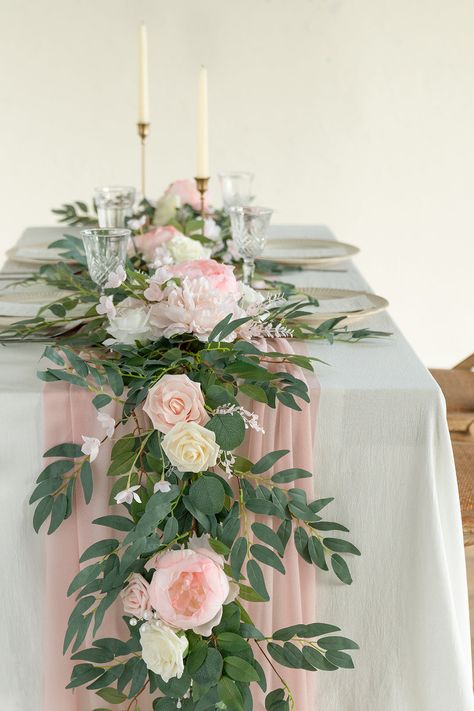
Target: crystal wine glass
point(114, 205)
point(249, 229)
point(106, 251)
point(236, 189)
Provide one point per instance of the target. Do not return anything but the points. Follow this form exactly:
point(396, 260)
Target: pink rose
point(220, 276)
point(136, 597)
point(149, 241)
point(175, 398)
point(188, 590)
point(187, 193)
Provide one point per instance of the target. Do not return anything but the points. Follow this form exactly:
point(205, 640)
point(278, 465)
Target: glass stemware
point(114, 204)
point(106, 251)
point(249, 230)
point(236, 189)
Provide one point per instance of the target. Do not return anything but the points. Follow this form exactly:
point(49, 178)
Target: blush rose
point(175, 398)
point(136, 597)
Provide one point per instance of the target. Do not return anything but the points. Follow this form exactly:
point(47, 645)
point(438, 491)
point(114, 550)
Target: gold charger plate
point(38, 254)
point(23, 301)
point(307, 251)
point(337, 303)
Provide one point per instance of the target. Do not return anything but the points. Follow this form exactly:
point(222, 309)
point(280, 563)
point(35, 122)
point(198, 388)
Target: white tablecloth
point(383, 452)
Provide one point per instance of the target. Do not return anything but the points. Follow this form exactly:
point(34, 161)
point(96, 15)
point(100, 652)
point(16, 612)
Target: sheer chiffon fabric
point(69, 414)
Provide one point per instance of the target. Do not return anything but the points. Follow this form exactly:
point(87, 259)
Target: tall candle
point(202, 131)
point(143, 109)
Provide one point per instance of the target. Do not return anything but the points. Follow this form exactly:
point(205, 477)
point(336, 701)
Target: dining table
point(382, 450)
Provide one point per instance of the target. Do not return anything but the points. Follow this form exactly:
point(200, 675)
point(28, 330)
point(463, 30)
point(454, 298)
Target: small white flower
point(106, 306)
point(116, 278)
point(211, 229)
point(161, 275)
point(90, 447)
point(137, 223)
point(162, 257)
point(163, 486)
point(107, 422)
point(128, 495)
point(249, 297)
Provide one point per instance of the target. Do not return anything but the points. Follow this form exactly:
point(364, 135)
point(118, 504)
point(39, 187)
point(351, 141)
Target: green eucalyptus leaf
point(229, 430)
point(341, 568)
point(207, 495)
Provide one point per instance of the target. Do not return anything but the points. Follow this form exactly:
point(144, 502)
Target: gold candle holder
point(143, 129)
point(202, 184)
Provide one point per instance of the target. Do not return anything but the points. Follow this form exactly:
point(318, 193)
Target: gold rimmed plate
point(341, 303)
point(307, 251)
point(37, 255)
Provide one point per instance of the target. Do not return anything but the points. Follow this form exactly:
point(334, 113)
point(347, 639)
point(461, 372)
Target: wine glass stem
point(248, 271)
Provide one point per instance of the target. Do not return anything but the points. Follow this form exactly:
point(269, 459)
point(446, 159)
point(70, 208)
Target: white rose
point(163, 650)
point(130, 324)
point(185, 249)
point(165, 210)
point(191, 447)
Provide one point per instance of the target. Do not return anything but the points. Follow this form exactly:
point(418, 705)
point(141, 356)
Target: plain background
point(354, 113)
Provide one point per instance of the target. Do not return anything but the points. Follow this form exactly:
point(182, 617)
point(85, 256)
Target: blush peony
point(175, 398)
point(220, 276)
point(194, 306)
point(189, 588)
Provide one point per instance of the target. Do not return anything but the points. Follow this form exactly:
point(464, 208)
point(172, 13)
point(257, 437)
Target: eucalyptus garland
point(188, 553)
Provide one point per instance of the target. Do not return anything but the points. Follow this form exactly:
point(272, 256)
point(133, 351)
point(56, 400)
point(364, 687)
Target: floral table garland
point(185, 341)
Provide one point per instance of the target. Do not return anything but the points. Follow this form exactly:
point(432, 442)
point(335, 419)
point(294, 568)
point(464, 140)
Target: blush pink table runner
point(68, 414)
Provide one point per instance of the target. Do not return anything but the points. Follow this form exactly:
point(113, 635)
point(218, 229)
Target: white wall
point(355, 113)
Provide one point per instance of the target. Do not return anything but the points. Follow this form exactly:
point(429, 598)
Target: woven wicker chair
point(458, 388)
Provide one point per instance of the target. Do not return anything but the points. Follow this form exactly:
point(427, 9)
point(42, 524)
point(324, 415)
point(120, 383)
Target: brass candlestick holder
point(201, 184)
point(143, 129)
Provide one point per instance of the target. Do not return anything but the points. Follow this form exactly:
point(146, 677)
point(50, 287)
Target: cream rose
point(175, 398)
point(190, 447)
point(163, 650)
point(136, 597)
point(184, 249)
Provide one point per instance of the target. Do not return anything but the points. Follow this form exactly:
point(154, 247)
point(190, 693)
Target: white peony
point(191, 447)
point(163, 650)
point(185, 249)
point(130, 323)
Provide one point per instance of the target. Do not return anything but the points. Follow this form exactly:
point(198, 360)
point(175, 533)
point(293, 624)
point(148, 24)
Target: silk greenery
point(219, 668)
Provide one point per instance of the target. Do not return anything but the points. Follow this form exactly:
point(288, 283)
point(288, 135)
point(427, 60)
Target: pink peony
point(136, 597)
point(175, 398)
point(194, 307)
point(149, 241)
point(220, 276)
point(189, 588)
point(187, 193)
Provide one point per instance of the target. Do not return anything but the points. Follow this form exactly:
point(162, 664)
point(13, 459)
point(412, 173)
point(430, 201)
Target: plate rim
point(352, 250)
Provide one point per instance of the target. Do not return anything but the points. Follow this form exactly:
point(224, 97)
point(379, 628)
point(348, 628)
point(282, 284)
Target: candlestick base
point(143, 129)
point(202, 184)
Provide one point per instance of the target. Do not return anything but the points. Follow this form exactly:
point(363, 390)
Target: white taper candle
point(202, 128)
point(143, 108)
